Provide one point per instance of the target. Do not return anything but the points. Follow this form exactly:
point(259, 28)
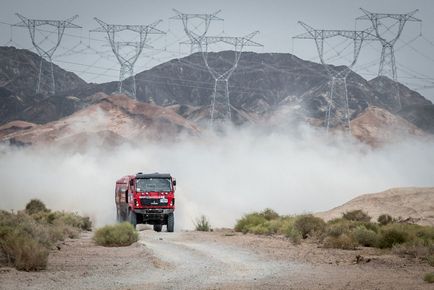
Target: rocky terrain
point(109, 121)
point(416, 204)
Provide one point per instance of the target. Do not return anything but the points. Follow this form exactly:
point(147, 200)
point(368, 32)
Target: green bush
point(309, 225)
point(385, 219)
point(356, 215)
point(118, 235)
point(365, 237)
point(35, 206)
point(392, 236)
point(269, 214)
point(295, 236)
point(202, 224)
point(249, 221)
point(344, 241)
point(429, 277)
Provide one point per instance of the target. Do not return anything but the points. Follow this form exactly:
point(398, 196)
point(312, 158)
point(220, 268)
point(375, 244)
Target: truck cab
point(146, 199)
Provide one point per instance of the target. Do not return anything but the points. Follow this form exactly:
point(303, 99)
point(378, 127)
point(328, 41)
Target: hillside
point(111, 120)
point(416, 203)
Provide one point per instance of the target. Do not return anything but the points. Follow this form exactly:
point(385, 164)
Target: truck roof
point(153, 175)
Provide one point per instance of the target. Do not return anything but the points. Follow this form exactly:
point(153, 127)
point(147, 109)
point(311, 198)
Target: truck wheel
point(158, 228)
point(132, 218)
point(170, 223)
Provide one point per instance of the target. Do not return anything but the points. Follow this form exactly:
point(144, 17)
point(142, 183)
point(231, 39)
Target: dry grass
point(27, 236)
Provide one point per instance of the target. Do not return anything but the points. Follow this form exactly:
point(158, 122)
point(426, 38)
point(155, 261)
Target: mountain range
point(270, 89)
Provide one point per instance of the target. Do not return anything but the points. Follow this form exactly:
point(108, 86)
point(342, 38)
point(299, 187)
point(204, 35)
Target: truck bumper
point(154, 211)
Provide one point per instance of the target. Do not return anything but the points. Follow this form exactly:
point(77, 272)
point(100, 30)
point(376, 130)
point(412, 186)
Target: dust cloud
point(222, 177)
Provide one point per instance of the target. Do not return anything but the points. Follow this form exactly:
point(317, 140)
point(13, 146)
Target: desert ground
point(216, 260)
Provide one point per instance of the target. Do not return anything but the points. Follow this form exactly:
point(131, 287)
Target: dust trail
point(222, 177)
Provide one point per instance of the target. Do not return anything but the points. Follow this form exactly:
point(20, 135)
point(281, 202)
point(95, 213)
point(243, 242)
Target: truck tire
point(132, 218)
point(170, 223)
point(158, 228)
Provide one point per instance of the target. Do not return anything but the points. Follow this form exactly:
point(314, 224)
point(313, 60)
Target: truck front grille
point(154, 201)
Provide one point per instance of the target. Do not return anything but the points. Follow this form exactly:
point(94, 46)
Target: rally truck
point(146, 199)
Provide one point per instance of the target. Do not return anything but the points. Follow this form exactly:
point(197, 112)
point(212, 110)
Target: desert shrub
point(309, 225)
point(286, 224)
point(24, 252)
point(27, 236)
point(385, 219)
point(269, 214)
point(35, 206)
point(429, 277)
point(344, 241)
point(249, 221)
point(365, 237)
point(117, 235)
point(337, 228)
point(202, 224)
point(72, 219)
point(261, 229)
point(356, 215)
point(430, 260)
point(392, 236)
point(294, 235)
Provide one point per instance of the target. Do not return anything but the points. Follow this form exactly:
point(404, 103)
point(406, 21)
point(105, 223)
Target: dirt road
point(218, 260)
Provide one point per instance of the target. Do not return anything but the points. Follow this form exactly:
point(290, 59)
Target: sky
point(90, 57)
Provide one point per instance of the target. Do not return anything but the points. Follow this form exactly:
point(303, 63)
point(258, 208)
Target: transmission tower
point(387, 60)
point(338, 84)
point(196, 33)
point(220, 103)
point(46, 54)
point(127, 61)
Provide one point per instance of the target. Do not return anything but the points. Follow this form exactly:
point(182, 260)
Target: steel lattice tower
point(387, 60)
point(220, 102)
point(127, 62)
point(338, 84)
point(46, 54)
point(195, 34)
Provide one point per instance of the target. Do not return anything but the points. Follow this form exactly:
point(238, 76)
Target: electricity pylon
point(338, 99)
point(196, 33)
point(220, 102)
point(126, 61)
point(387, 60)
point(46, 54)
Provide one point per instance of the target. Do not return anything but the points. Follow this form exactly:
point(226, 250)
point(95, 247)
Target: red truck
point(146, 199)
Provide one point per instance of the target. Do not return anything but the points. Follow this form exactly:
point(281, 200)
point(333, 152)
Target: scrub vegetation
point(26, 237)
point(354, 229)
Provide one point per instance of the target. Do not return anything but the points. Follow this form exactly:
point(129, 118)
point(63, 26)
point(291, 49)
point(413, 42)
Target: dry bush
point(344, 241)
point(118, 235)
point(392, 236)
point(35, 206)
point(357, 216)
point(385, 219)
point(202, 224)
point(25, 253)
point(309, 225)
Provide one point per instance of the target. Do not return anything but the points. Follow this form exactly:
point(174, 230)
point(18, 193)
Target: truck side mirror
point(174, 182)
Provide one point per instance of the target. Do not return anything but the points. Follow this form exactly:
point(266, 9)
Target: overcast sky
point(275, 19)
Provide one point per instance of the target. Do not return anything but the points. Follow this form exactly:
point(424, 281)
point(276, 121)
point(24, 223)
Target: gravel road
point(217, 260)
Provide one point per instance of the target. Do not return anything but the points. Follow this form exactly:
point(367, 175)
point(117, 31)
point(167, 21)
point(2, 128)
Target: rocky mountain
point(19, 70)
point(272, 88)
point(415, 204)
point(111, 120)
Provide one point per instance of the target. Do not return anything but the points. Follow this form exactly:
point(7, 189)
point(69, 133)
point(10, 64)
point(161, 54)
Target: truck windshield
point(153, 184)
